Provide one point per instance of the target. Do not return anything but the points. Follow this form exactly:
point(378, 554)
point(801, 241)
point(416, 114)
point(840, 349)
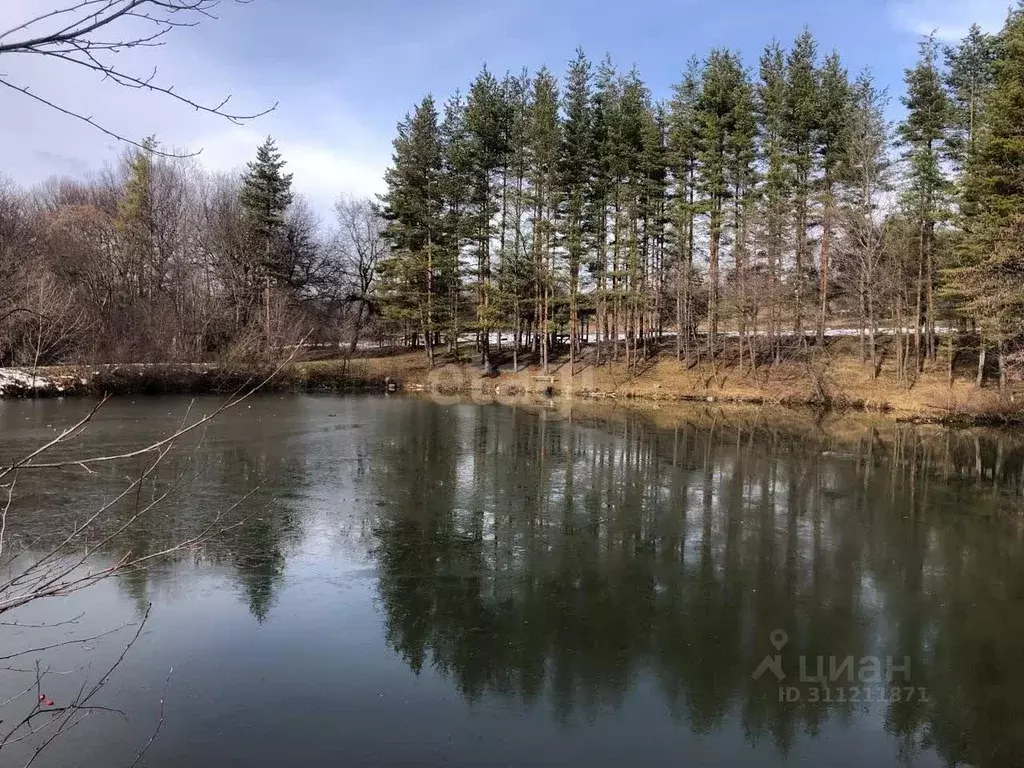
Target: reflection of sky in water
point(284, 640)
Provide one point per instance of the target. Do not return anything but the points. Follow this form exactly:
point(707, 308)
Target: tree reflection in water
point(537, 557)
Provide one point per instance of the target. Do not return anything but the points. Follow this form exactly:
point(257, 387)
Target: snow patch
point(17, 382)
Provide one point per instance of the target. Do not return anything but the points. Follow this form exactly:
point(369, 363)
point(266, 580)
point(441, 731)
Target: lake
point(420, 582)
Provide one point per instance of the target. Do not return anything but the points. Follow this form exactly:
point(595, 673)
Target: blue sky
point(343, 72)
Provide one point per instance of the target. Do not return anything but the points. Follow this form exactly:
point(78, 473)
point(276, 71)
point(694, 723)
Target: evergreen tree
point(604, 199)
point(775, 192)
point(834, 98)
point(485, 129)
point(515, 277)
point(552, 204)
point(990, 280)
point(413, 207)
point(635, 150)
point(969, 74)
point(544, 145)
point(265, 196)
point(801, 142)
point(741, 177)
point(576, 172)
point(864, 174)
point(724, 100)
point(135, 217)
point(507, 189)
point(922, 134)
point(683, 146)
point(454, 180)
point(654, 210)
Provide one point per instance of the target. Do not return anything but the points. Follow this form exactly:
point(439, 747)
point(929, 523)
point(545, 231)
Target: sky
point(343, 72)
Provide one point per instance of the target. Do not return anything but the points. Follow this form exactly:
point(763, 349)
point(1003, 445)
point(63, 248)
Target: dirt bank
point(837, 382)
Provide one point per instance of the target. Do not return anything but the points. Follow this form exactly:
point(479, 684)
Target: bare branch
point(88, 31)
point(91, 122)
point(3, 515)
point(146, 83)
point(67, 434)
point(74, 562)
point(159, 722)
point(62, 644)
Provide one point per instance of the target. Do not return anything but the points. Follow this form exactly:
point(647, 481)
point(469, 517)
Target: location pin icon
point(778, 638)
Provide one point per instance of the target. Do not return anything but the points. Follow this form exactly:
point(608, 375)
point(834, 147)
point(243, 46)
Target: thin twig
point(160, 720)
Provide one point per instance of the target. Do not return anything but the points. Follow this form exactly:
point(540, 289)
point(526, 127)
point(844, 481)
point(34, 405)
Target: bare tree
point(89, 34)
point(360, 243)
point(80, 557)
point(54, 322)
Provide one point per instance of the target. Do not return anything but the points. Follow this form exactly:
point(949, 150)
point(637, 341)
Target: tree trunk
point(713, 255)
point(929, 292)
point(616, 300)
point(863, 319)
point(826, 238)
point(428, 330)
point(952, 357)
point(515, 345)
point(356, 330)
point(798, 292)
point(1002, 368)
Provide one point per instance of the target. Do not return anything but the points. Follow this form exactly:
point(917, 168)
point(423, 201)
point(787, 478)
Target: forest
point(762, 211)
point(159, 260)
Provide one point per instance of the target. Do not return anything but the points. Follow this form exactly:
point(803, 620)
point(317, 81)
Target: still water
point(459, 583)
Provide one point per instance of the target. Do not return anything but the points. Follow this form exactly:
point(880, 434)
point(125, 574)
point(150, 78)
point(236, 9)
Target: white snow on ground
point(13, 380)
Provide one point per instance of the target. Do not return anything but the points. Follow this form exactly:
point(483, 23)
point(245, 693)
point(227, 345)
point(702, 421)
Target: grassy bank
point(832, 378)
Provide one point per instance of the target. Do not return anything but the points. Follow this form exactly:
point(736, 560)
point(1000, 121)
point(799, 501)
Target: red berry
point(42, 697)
point(49, 702)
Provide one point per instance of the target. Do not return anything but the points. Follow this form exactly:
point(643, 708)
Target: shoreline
point(836, 386)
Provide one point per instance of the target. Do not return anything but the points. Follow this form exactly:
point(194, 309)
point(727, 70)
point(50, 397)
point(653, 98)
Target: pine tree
point(506, 190)
point(683, 138)
point(135, 216)
point(603, 200)
point(742, 180)
point(615, 171)
point(515, 281)
point(990, 280)
point(413, 207)
point(864, 174)
point(775, 192)
point(576, 171)
point(922, 134)
point(635, 147)
point(834, 104)
point(969, 74)
point(265, 196)
point(455, 189)
point(654, 162)
point(544, 147)
point(801, 141)
point(548, 205)
point(724, 97)
point(486, 151)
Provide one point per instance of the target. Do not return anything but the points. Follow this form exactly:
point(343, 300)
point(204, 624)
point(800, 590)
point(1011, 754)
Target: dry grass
point(833, 377)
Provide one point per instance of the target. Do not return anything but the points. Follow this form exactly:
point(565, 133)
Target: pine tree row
point(754, 209)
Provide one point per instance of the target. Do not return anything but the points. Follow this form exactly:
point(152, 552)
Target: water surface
point(467, 583)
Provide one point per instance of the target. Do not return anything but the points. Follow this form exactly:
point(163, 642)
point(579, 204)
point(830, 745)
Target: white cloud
point(948, 19)
point(329, 151)
point(321, 171)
